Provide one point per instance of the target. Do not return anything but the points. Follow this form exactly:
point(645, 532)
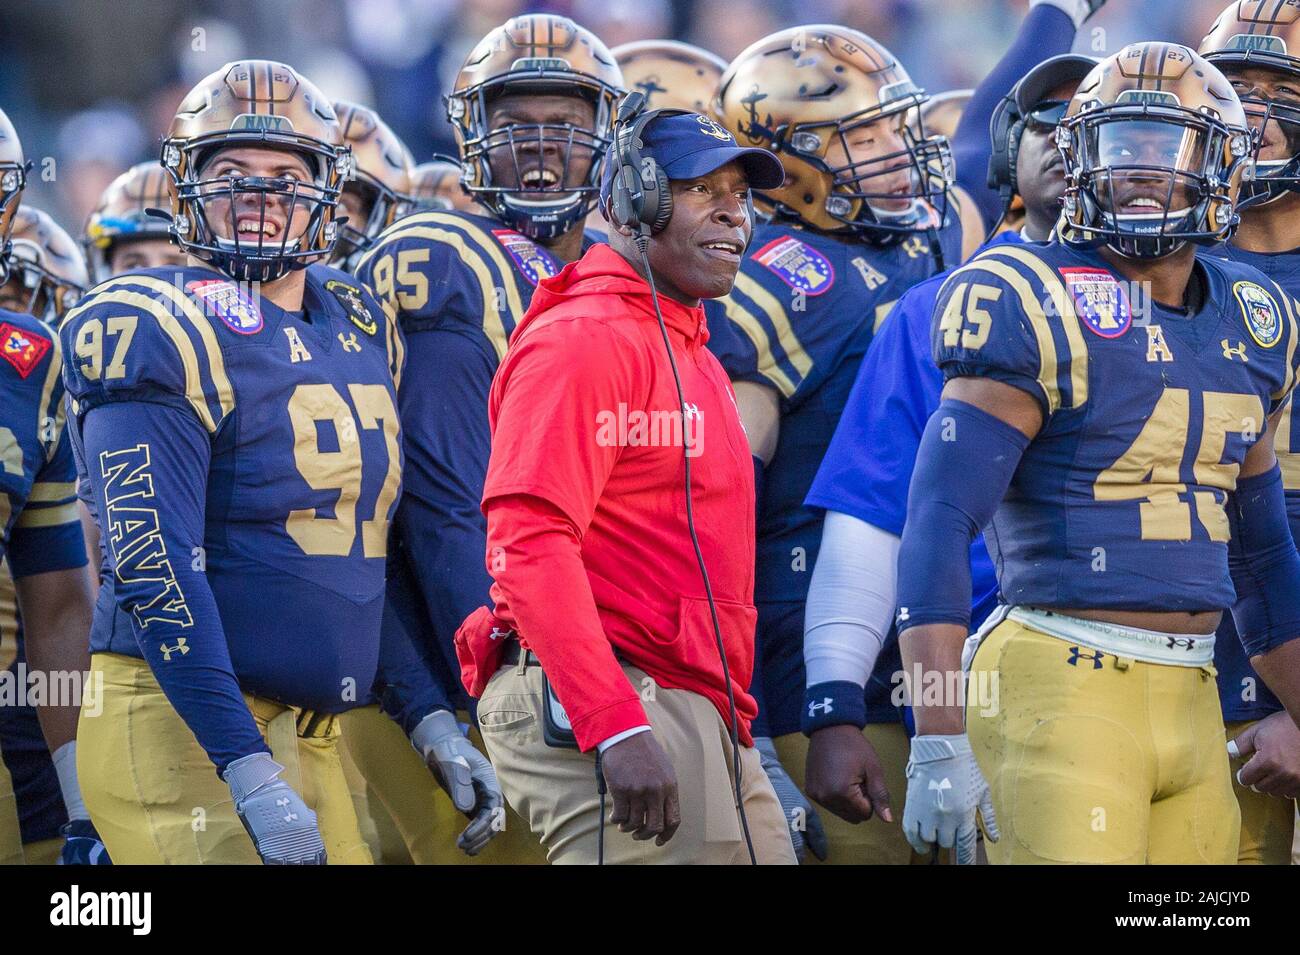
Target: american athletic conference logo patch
point(798, 265)
point(228, 302)
point(1099, 301)
point(534, 262)
point(1260, 312)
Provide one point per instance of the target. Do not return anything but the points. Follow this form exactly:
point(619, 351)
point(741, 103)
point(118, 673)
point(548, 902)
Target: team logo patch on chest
point(22, 349)
point(1099, 301)
point(533, 261)
point(797, 264)
point(228, 302)
point(349, 297)
point(1260, 312)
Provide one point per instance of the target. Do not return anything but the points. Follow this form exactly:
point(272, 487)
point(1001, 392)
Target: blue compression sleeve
point(1264, 564)
point(1045, 32)
point(148, 467)
point(963, 469)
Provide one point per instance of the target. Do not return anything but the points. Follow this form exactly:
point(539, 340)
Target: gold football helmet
point(122, 215)
point(47, 272)
point(1263, 34)
point(540, 53)
point(435, 187)
point(13, 177)
point(1155, 145)
point(672, 75)
point(802, 93)
point(381, 176)
point(943, 112)
point(266, 104)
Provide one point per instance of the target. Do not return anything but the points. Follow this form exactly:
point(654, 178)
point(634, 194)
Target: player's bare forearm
point(933, 652)
point(760, 412)
point(1279, 668)
point(56, 608)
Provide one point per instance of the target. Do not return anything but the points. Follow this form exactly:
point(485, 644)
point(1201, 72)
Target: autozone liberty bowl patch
point(535, 263)
point(1099, 301)
point(228, 302)
point(797, 264)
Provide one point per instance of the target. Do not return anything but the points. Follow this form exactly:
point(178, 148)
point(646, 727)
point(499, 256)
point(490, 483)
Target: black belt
point(510, 656)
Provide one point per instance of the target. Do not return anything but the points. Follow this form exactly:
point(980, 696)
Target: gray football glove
point(944, 789)
point(801, 818)
point(466, 775)
point(282, 827)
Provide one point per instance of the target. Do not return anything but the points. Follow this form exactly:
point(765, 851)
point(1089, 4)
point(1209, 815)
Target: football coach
point(616, 445)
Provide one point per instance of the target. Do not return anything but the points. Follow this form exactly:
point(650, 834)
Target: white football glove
point(944, 789)
point(466, 775)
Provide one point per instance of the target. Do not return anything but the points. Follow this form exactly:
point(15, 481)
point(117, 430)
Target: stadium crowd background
point(93, 83)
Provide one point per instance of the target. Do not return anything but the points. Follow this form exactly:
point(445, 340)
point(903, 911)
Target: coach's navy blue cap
point(689, 145)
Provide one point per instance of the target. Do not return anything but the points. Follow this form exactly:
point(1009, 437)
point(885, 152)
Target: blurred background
point(91, 85)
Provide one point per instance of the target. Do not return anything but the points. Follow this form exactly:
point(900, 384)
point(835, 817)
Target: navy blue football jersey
point(1118, 502)
point(457, 284)
point(803, 310)
point(1243, 694)
point(245, 463)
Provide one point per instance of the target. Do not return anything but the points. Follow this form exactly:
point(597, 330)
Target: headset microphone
point(641, 199)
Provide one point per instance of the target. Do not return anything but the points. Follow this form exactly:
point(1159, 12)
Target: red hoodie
point(585, 499)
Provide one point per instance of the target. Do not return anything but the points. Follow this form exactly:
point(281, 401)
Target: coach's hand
point(843, 774)
point(465, 773)
point(282, 827)
point(1271, 748)
point(643, 788)
point(945, 788)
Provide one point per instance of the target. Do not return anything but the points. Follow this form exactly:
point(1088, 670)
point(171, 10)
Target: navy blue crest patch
point(228, 302)
point(797, 264)
point(1099, 301)
point(532, 260)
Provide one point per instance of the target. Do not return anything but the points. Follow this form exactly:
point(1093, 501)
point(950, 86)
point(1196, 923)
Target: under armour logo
point(283, 806)
point(692, 411)
point(1094, 655)
point(941, 787)
point(1185, 642)
point(498, 633)
point(824, 706)
point(1236, 351)
point(168, 651)
point(350, 343)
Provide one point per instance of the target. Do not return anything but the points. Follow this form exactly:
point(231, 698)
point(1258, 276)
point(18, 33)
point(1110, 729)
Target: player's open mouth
point(265, 227)
point(1141, 205)
point(539, 179)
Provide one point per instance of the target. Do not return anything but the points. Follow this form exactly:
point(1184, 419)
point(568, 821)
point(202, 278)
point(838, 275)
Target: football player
point(238, 428)
point(381, 178)
point(1109, 413)
point(47, 273)
point(864, 214)
point(671, 74)
point(121, 235)
point(435, 187)
point(862, 485)
point(40, 534)
point(1257, 46)
point(533, 111)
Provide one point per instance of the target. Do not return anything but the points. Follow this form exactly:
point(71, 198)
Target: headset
point(1005, 129)
point(641, 199)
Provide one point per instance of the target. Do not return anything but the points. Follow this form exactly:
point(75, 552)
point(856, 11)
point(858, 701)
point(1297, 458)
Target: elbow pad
point(963, 469)
point(1264, 564)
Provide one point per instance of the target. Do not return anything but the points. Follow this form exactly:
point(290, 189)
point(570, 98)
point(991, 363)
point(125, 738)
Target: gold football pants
point(1098, 758)
point(155, 797)
point(420, 808)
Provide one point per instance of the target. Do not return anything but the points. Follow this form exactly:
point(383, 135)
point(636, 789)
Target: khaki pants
point(555, 789)
point(155, 797)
